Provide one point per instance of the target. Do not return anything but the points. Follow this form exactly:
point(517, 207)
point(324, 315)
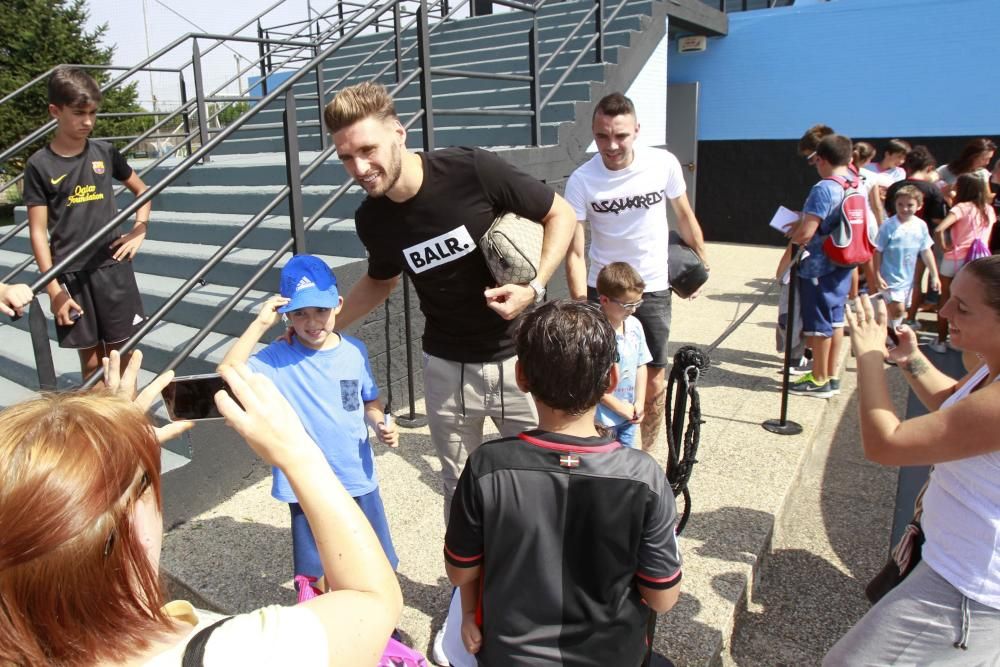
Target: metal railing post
point(324, 140)
point(340, 16)
point(186, 116)
point(599, 29)
point(270, 52)
point(535, 85)
point(396, 23)
point(199, 93)
point(40, 345)
point(262, 60)
point(424, 63)
point(412, 419)
point(293, 173)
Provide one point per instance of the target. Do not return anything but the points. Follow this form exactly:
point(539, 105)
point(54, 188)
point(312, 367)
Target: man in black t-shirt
point(561, 539)
point(920, 166)
point(424, 214)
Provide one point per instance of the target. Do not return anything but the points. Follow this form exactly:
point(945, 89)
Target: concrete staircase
point(208, 204)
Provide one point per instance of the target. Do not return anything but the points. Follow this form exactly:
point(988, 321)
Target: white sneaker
point(437, 650)
point(940, 348)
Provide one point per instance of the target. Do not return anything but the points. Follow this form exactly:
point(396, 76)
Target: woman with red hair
point(81, 532)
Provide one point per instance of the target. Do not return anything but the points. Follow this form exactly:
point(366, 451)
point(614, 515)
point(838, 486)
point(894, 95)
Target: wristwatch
point(539, 290)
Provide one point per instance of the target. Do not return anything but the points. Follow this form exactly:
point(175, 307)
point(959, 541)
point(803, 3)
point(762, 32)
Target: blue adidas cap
point(309, 283)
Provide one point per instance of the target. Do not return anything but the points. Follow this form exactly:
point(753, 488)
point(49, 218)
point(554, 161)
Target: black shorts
point(654, 315)
point(112, 307)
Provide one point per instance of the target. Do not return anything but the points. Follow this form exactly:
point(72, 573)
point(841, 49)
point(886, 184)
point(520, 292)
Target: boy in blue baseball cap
point(327, 378)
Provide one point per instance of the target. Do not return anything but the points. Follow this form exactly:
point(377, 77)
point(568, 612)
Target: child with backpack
point(969, 224)
point(837, 234)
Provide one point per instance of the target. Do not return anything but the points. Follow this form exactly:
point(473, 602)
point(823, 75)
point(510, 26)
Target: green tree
point(36, 35)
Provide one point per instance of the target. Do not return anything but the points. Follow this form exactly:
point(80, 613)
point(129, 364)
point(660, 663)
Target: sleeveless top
point(962, 518)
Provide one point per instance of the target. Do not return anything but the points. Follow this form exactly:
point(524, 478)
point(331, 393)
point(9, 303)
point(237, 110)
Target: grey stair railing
point(295, 175)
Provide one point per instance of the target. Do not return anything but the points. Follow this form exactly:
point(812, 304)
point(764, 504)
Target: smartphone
point(192, 397)
point(893, 336)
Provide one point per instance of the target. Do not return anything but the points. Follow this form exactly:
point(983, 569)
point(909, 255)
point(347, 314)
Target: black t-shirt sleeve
point(381, 262)
point(34, 186)
point(935, 206)
point(510, 189)
point(463, 541)
point(659, 554)
point(120, 168)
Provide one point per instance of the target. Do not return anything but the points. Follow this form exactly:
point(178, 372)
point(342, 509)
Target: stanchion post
point(782, 426)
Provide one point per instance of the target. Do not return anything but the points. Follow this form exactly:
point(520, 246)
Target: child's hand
point(268, 315)
point(882, 284)
point(65, 309)
point(472, 636)
point(933, 284)
point(128, 244)
point(13, 299)
point(637, 414)
point(388, 434)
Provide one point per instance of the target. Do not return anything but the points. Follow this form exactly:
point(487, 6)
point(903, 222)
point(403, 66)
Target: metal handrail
point(286, 88)
point(253, 223)
point(140, 66)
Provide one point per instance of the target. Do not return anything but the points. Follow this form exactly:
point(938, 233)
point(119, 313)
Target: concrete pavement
point(234, 552)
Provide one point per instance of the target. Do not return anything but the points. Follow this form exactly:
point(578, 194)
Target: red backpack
point(850, 242)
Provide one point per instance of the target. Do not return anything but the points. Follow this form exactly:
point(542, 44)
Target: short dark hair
point(617, 278)
point(810, 140)
point(614, 104)
point(896, 146)
point(565, 349)
point(918, 159)
point(835, 149)
point(72, 87)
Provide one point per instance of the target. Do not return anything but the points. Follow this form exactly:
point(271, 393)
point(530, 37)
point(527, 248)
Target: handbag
point(904, 558)
point(512, 247)
point(687, 273)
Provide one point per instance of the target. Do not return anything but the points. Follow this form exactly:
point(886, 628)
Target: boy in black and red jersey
point(561, 539)
point(69, 192)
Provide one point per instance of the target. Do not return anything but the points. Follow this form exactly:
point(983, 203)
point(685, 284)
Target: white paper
point(783, 219)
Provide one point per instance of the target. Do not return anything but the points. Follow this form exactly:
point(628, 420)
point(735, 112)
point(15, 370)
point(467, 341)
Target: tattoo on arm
point(915, 366)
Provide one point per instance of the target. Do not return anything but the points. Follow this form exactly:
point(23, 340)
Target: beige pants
point(459, 397)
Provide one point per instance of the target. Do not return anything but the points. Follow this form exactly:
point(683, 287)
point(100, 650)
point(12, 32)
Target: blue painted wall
point(868, 68)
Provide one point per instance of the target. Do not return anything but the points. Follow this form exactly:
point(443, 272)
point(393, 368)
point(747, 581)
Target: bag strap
point(194, 652)
point(845, 183)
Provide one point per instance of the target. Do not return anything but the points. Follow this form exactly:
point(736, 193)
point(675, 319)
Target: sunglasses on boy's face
point(631, 305)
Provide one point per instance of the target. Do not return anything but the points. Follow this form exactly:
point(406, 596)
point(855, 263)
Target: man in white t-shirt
point(622, 193)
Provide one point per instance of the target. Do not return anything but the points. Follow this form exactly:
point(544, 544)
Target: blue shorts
point(625, 434)
point(823, 302)
point(305, 556)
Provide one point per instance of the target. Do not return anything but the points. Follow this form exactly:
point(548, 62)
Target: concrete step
point(329, 236)
point(495, 135)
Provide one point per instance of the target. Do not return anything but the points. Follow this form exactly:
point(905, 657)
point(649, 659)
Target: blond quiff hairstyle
point(358, 102)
